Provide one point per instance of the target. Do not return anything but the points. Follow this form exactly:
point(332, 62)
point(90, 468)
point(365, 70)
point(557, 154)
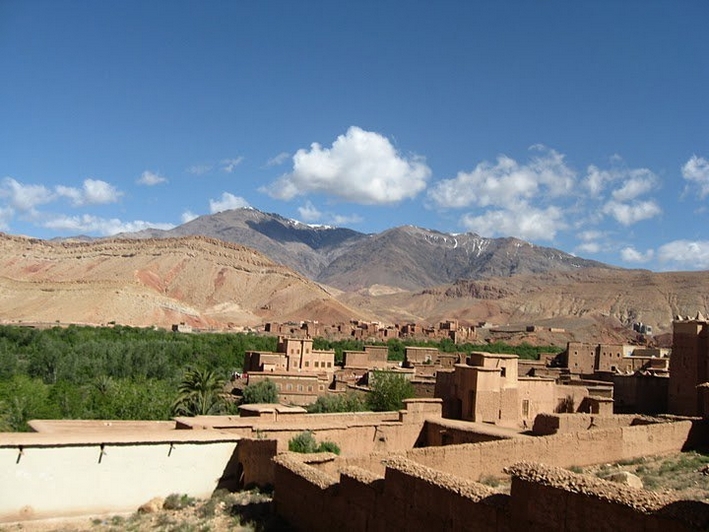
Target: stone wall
point(409, 496)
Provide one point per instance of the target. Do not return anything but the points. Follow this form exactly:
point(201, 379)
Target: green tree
point(260, 392)
point(347, 402)
point(388, 391)
point(201, 392)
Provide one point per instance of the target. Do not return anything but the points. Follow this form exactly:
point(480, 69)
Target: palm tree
point(200, 393)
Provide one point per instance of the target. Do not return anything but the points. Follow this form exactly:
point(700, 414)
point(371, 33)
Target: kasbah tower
point(689, 367)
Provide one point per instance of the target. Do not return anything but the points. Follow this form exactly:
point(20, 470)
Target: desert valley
point(240, 269)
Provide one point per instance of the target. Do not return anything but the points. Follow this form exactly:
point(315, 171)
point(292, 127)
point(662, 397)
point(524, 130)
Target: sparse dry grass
point(224, 511)
point(679, 474)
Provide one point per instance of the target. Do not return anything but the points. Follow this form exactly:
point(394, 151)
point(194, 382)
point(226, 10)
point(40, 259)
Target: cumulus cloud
point(188, 216)
point(278, 159)
point(637, 183)
point(227, 202)
point(228, 165)
point(506, 183)
point(588, 247)
point(361, 167)
point(150, 179)
point(630, 213)
point(696, 171)
point(685, 254)
point(309, 213)
point(526, 223)
point(93, 192)
point(103, 226)
point(630, 254)
point(22, 197)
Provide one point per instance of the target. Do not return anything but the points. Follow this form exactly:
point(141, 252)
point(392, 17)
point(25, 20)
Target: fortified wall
point(411, 496)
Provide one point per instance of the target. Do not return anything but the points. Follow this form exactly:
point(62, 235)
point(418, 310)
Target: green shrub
point(175, 501)
point(260, 392)
point(305, 443)
point(328, 447)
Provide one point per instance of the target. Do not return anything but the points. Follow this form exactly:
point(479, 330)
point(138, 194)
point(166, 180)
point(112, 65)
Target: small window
point(310, 388)
point(525, 408)
point(307, 363)
point(289, 387)
point(300, 387)
point(316, 364)
point(329, 364)
point(503, 372)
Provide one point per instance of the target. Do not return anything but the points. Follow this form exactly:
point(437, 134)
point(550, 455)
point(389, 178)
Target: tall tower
point(689, 365)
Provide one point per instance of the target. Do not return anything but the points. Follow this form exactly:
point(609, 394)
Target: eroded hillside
point(201, 281)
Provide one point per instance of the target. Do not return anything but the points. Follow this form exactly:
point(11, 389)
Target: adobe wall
point(547, 424)
point(477, 460)
point(544, 498)
point(409, 496)
point(67, 477)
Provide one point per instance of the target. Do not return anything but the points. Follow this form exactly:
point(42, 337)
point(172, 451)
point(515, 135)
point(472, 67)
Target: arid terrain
point(212, 284)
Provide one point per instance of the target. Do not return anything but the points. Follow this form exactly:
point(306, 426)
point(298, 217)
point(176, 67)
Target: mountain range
point(402, 258)
point(244, 268)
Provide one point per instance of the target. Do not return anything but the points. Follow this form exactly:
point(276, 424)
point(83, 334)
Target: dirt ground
point(243, 511)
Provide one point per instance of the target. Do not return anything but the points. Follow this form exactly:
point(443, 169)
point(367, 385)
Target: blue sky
point(577, 125)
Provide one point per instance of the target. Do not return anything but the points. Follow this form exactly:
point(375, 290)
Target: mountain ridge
point(405, 258)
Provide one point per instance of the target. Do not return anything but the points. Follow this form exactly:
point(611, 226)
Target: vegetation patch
point(305, 443)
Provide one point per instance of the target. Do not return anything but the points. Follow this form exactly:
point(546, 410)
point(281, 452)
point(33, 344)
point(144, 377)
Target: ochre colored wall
point(409, 496)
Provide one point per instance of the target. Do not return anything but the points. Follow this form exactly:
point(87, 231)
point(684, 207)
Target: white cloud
point(525, 222)
point(696, 170)
point(103, 226)
point(506, 182)
point(6, 214)
point(639, 182)
point(595, 180)
point(685, 254)
point(93, 192)
point(588, 247)
point(24, 198)
point(342, 219)
point(589, 235)
point(199, 169)
point(630, 254)
point(278, 159)
point(227, 202)
point(628, 214)
point(361, 167)
point(150, 179)
point(228, 165)
point(188, 216)
point(309, 212)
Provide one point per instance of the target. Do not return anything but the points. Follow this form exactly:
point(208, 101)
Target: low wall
point(474, 461)
point(546, 424)
point(414, 497)
point(408, 497)
point(56, 476)
point(546, 498)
